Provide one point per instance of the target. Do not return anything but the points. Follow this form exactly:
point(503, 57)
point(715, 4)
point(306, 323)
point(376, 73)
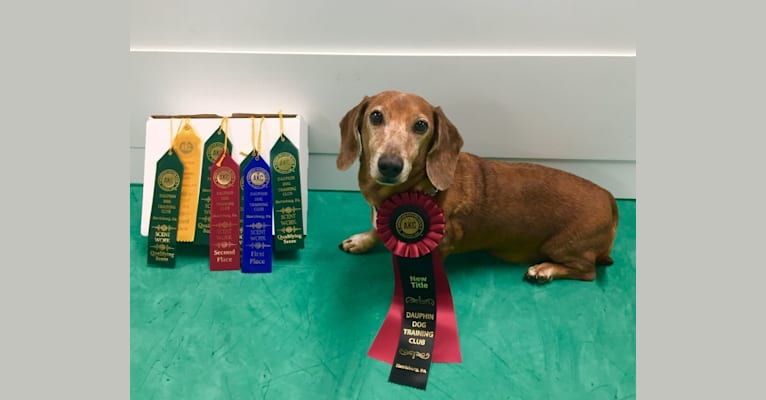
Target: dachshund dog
point(520, 212)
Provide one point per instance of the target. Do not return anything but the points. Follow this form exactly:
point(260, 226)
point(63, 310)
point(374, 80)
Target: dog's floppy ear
point(350, 129)
point(442, 158)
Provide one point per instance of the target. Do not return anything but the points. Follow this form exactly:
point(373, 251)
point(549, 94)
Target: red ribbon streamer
point(446, 344)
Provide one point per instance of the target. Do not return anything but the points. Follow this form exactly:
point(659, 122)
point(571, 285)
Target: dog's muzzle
point(390, 167)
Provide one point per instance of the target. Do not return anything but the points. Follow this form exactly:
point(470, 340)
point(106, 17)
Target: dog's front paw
point(360, 242)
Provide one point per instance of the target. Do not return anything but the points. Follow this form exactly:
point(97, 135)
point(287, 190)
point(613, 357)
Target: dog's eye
point(376, 117)
point(420, 126)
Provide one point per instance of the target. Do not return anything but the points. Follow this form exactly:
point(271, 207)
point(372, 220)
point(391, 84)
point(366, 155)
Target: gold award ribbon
point(188, 146)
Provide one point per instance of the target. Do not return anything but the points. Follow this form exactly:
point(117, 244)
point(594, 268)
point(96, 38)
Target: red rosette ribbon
point(399, 227)
point(416, 241)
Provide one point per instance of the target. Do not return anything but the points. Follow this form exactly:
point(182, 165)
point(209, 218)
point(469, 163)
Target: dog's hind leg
point(547, 271)
point(575, 252)
point(362, 242)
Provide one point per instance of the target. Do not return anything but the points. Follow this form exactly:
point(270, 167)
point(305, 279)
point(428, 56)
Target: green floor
point(302, 332)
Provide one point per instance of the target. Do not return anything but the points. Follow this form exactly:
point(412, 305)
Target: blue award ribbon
point(256, 217)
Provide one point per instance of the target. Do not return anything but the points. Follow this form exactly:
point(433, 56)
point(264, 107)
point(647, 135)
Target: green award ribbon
point(286, 191)
point(212, 150)
point(163, 222)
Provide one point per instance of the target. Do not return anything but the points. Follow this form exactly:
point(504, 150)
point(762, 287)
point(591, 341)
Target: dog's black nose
point(390, 166)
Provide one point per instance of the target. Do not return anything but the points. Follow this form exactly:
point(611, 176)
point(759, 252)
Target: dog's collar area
point(433, 192)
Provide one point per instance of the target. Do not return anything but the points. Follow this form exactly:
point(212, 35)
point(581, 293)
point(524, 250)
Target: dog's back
point(513, 208)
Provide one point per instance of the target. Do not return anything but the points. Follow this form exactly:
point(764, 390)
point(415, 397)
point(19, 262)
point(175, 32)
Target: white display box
point(240, 133)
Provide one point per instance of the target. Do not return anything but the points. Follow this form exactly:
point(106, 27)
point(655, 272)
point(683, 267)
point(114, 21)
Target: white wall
point(546, 81)
point(390, 26)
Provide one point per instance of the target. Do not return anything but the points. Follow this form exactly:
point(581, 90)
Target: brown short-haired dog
point(520, 212)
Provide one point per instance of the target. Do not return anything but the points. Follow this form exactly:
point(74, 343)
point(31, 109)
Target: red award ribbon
point(224, 212)
point(411, 225)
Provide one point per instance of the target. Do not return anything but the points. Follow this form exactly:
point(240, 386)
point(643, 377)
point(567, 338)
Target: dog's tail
point(606, 259)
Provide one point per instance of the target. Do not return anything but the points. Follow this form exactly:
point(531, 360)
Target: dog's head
point(399, 135)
